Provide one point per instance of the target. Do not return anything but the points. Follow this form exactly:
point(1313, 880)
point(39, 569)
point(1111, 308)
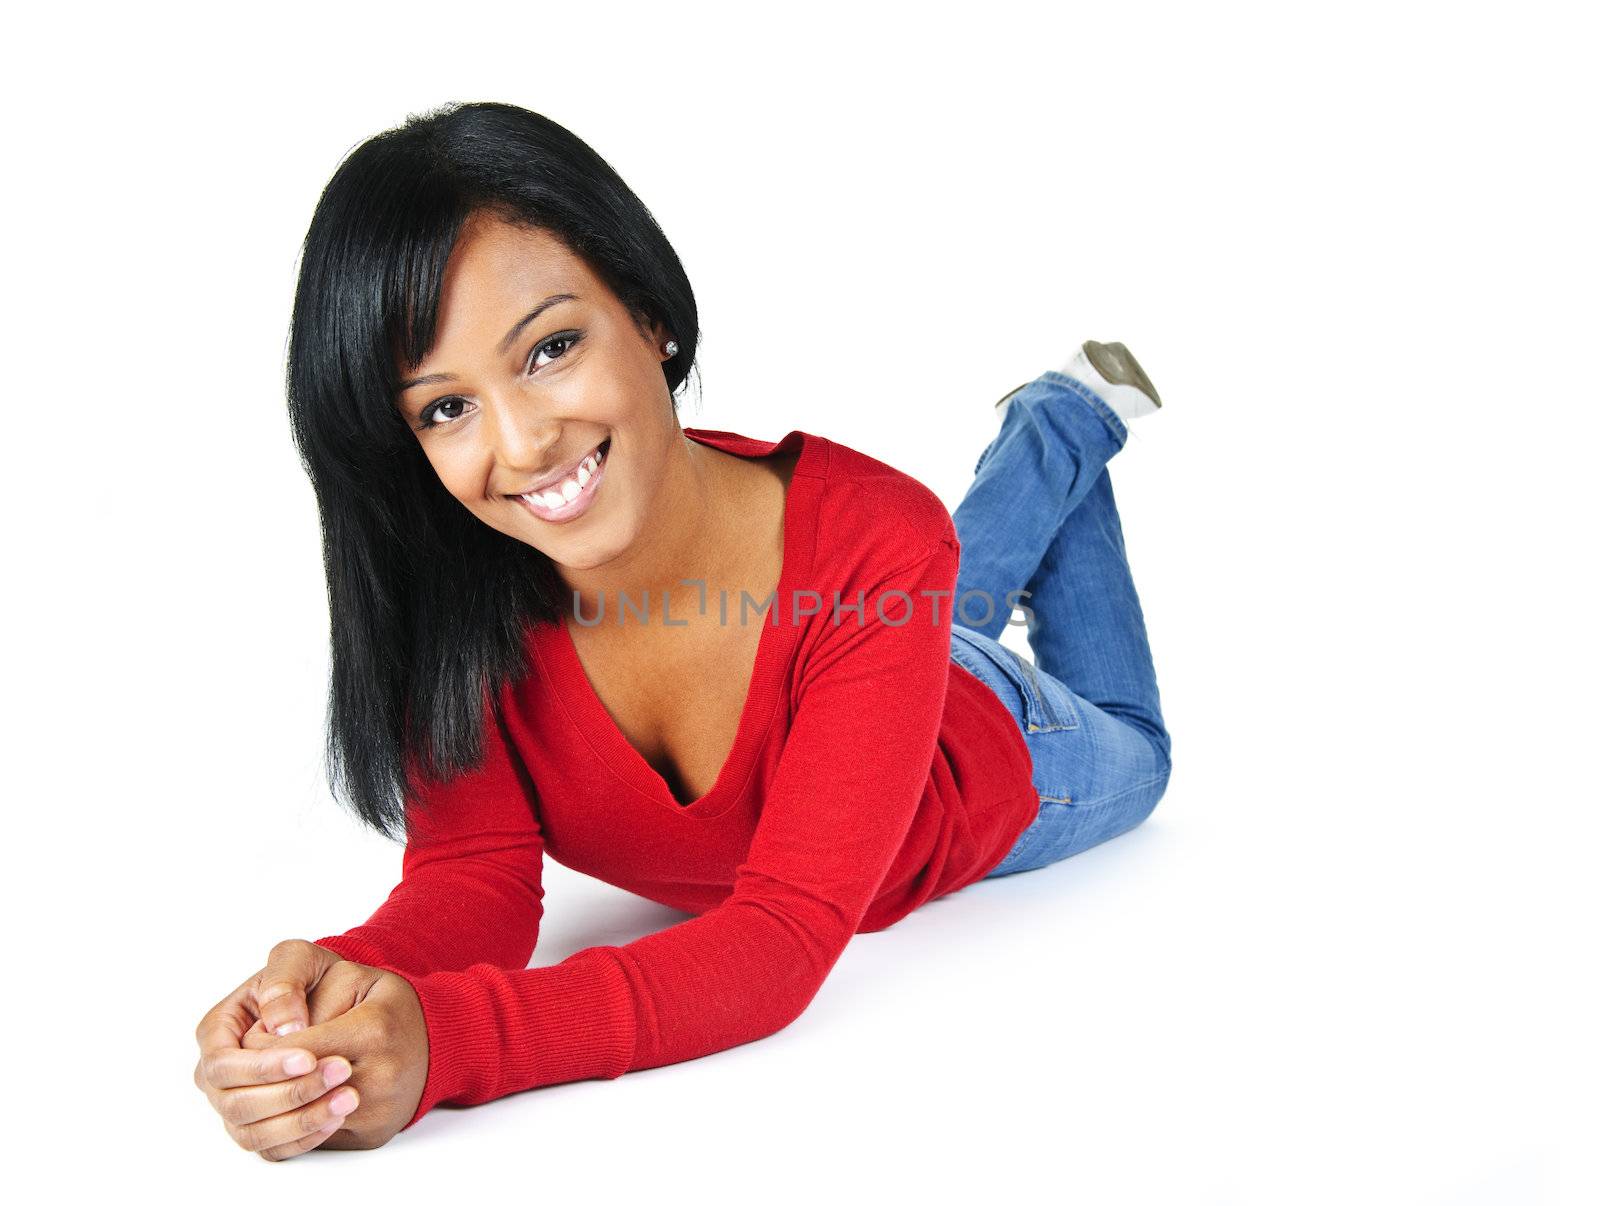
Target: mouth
point(572, 495)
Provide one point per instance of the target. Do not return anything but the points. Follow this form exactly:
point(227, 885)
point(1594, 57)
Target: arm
point(470, 890)
point(847, 788)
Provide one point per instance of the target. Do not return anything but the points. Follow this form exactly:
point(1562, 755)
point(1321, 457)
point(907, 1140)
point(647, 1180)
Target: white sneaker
point(1111, 371)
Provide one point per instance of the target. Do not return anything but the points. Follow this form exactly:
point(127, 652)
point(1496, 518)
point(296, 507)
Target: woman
point(757, 681)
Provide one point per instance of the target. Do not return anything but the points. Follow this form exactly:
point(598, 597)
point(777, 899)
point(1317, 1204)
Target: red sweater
point(869, 774)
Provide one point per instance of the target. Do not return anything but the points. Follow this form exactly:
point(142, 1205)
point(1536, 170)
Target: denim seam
point(1051, 728)
point(1117, 795)
point(1117, 427)
point(1045, 709)
point(1035, 706)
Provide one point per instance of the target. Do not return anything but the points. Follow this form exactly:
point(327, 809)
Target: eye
point(426, 418)
point(565, 340)
point(435, 415)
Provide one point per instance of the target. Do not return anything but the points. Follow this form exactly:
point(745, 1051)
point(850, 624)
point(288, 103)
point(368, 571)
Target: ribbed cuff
point(347, 946)
point(492, 1032)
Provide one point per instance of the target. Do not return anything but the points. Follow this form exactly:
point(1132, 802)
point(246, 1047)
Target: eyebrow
point(510, 338)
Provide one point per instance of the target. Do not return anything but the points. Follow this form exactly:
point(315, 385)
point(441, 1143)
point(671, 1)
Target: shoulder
point(875, 518)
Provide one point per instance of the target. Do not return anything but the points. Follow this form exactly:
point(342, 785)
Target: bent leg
point(1053, 444)
point(1040, 514)
point(1086, 626)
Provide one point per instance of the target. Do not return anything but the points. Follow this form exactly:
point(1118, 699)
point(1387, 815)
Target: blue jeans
point(1039, 516)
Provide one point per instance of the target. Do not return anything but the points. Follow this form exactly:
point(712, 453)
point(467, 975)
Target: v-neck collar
point(562, 667)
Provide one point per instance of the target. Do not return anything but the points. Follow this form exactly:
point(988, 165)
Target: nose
point(520, 437)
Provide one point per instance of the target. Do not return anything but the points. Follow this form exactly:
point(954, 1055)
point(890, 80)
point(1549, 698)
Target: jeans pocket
point(1044, 707)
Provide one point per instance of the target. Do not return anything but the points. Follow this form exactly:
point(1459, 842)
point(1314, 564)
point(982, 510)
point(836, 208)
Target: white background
point(1348, 957)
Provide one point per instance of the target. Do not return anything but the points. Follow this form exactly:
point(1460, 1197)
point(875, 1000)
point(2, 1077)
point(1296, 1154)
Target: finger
point(225, 1023)
point(337, 992)
point(298, 1124)
point(227, 1068)
point(223, 1061)
point(286, 1151)
point(361, 1029)
point(280, 990)
point(259, 1037)
point(252, 1103)
point(351, 1034)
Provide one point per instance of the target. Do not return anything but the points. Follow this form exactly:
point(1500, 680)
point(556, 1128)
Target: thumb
point(293, 969)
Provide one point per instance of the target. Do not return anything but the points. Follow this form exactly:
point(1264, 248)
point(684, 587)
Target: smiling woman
point(511, 317)
point(488, 336)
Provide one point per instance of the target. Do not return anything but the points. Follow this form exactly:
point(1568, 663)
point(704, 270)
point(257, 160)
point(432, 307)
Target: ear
point(655, 333)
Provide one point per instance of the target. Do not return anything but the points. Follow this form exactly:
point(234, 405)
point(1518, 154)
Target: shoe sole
point(1116, 364)
point(1112, 361)
point(1007, 397)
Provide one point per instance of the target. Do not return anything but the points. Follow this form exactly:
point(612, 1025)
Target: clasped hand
point(350, 1080)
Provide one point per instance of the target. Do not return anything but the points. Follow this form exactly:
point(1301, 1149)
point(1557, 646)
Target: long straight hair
point(428, 606)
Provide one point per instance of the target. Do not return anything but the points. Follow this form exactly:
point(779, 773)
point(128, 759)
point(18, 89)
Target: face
point(550, 420)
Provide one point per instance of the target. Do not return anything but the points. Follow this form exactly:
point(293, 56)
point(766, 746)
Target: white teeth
point(561, 495)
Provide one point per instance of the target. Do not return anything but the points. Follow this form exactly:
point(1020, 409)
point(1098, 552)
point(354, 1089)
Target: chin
point(588, 550)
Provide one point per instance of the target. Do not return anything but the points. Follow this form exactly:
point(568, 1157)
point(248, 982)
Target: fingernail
point(343, 1102)
point(288, 1028)
point(298, 1064)
point(335, 1073)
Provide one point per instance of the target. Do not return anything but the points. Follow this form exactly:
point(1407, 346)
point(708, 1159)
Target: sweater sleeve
point(850, 778)
point(470, 890)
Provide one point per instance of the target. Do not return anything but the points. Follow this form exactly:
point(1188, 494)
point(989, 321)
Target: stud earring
point(672, 347)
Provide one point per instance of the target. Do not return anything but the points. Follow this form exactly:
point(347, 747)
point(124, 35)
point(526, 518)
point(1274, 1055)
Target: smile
point(569, 498)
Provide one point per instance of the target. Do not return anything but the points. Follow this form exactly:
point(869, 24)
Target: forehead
point(497, 271)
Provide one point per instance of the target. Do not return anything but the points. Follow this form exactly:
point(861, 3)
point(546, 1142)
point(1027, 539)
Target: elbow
point(520, 937)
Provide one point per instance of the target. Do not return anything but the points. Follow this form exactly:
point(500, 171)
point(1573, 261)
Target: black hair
point(428, 605)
